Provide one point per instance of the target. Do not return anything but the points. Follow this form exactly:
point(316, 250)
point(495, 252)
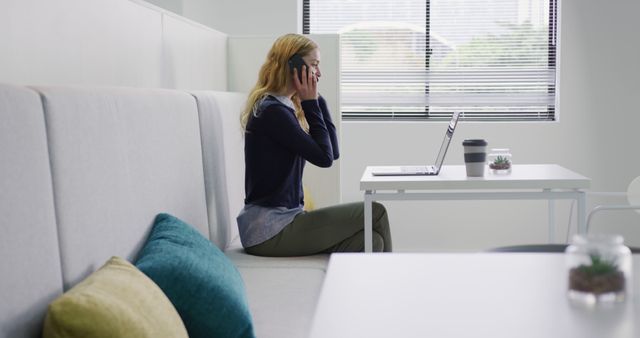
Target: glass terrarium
point(599, 268)
point(499, 161)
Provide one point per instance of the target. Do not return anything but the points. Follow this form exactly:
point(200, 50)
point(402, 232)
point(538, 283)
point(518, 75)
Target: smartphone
point(297, 62)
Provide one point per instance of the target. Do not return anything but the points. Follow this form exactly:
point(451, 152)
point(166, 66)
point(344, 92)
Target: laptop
point(423, 170)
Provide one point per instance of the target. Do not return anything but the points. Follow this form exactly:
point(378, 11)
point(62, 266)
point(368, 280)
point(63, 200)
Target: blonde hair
point(275, 75)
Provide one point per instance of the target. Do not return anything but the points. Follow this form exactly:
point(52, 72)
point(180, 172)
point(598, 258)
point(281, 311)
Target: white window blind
point(408, 59)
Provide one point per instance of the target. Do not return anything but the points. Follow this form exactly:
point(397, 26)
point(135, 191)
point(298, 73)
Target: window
point(421, 60)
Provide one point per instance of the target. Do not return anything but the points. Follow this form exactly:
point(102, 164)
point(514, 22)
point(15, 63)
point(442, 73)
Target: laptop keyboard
point(417, 169)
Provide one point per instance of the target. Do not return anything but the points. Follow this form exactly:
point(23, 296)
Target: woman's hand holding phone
point(307, 88)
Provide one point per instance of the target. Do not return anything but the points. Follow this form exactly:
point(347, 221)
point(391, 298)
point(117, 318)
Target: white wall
point(171, 5)
point(246, 17)
point(119, 43)
point(596, 134)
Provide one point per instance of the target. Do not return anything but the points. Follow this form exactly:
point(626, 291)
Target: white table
point(482, 295)
point(525, 182)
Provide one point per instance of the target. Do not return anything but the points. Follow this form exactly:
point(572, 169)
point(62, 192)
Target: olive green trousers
point(338, 228)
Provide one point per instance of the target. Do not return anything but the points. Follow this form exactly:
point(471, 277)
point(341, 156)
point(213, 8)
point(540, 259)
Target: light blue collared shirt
point(258, 224)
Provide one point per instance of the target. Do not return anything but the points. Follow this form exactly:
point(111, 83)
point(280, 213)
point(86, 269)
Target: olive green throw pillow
point(201, 282)
point(115, 301)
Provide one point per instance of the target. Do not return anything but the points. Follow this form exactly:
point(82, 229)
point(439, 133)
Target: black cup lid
point(474, 142)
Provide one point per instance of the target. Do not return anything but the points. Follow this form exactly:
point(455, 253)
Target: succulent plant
point(500, 163)
point(501, 160)
point(598, 266)
point(601, 276)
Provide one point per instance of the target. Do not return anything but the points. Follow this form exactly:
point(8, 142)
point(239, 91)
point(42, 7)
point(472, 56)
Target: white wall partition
point(194, 57)
point(247, 53)
point(117, 42)
point(79, 41)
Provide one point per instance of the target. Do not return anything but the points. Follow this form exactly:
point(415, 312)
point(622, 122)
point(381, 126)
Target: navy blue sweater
point(276, 149)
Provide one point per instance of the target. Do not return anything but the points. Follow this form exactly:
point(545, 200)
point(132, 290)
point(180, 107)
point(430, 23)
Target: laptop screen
point(447, 139)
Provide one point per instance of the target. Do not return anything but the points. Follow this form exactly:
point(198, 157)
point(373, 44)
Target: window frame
point(550, 115)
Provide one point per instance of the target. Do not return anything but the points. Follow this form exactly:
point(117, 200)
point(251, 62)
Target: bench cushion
point(29, 253)
point(291, 284)
point(281, 299)
point(120, 156)
point(223, 154)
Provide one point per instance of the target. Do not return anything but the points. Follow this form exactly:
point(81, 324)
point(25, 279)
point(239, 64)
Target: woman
point(287, 123)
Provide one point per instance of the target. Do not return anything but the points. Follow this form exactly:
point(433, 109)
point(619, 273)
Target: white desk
point(526, 182)
point(483, 295)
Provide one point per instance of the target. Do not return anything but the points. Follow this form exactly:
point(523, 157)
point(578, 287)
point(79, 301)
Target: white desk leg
point(582, 212)
point(368, 222)
point(552, 218)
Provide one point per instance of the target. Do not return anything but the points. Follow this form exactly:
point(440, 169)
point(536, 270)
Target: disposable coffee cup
point(475, 156)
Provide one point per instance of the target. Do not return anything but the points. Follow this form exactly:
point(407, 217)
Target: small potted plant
point(600, 277)
point(500, 164)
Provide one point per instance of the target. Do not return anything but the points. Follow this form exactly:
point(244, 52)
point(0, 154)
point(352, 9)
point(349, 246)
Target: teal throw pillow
point(204, 286)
